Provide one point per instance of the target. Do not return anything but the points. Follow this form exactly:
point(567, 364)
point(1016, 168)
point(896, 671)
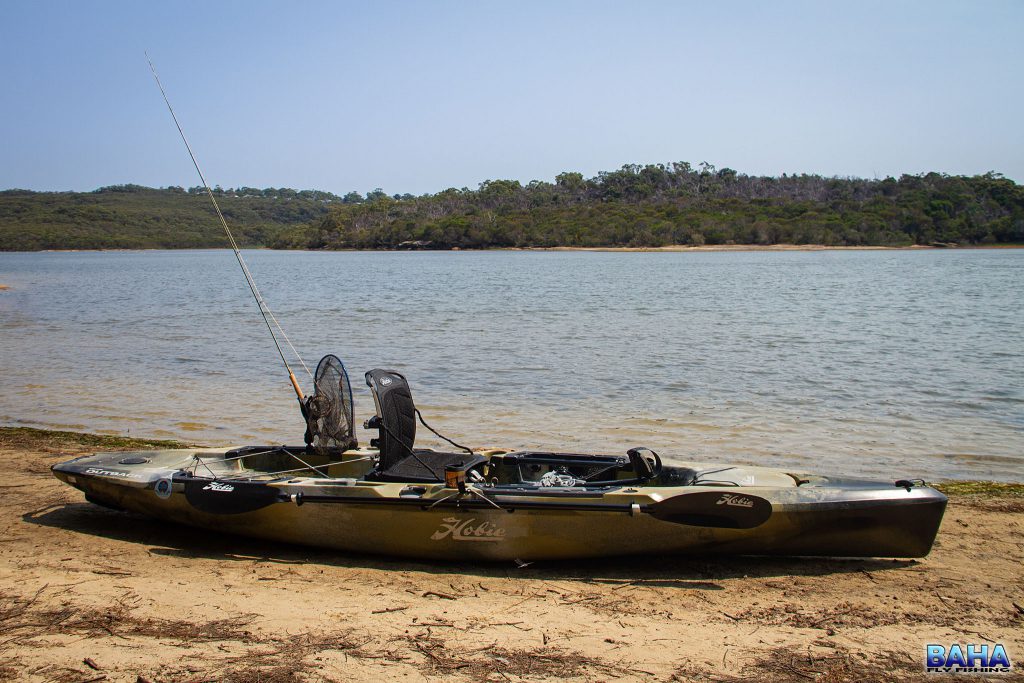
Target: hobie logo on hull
point(737, 501)
point(468, 530)
point(217, 486)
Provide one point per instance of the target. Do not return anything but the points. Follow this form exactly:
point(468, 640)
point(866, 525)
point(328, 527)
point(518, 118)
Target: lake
point(881, 363)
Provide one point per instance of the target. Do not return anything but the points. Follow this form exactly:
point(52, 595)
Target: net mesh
point(329, 409)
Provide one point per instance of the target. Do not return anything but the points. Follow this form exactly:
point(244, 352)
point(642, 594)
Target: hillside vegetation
point(656, 205)
point(635, 206)
point(136, 217)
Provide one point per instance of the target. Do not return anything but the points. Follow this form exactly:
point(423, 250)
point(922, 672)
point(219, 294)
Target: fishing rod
point(265, 311)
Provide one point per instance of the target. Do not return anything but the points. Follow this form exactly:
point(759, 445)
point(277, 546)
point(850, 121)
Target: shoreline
point(92, 594)
point(683, 248)
point(675, 248)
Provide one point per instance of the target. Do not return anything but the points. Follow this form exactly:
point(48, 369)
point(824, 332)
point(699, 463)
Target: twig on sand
point(485, 648)
point(389, 609)
point(818, 622)
point(517, 624)
point(800, 673)
point(111, 631)
point(91, 663)
point(585, 598)
point(444, 596)
point(643, 671)
point(426, 651)
point(439, 623)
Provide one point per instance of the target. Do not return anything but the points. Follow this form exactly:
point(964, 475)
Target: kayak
point(495, 505)
point(516, 514)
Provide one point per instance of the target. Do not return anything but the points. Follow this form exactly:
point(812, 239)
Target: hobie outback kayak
point(393, 498)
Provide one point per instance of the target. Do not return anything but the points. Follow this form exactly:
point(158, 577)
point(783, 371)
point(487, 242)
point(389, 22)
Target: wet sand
point(88, 594)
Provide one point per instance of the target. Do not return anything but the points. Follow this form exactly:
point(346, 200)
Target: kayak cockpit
point(539, 471)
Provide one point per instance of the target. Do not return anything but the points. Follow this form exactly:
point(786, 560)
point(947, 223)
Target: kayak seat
point(395, 420)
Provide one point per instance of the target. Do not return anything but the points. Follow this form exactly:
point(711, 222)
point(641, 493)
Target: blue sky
point(420, 96)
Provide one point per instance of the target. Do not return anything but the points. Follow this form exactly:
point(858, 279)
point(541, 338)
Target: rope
point(198, 459)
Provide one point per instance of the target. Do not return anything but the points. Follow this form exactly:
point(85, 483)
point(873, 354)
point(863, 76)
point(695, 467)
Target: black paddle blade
point(228, 497)
point(714, 509)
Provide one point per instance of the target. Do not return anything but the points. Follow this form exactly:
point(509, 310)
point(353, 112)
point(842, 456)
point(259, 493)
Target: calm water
point(874, 363)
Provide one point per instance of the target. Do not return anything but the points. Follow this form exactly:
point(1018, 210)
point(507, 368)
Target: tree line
point(635, 206)
point(138, 217)
point(661, 204)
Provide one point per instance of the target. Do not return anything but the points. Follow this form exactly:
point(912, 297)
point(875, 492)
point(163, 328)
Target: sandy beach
point(93, 595)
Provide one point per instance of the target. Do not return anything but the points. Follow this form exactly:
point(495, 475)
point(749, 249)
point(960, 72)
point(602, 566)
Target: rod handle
point(295, 385)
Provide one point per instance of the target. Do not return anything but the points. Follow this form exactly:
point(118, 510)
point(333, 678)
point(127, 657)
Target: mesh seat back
point(397, 414)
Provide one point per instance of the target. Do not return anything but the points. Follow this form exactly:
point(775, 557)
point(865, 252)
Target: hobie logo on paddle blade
point(217, 486)
point(467, 530)
point(737, 501)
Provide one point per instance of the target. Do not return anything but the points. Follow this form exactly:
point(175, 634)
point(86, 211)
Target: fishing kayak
point(529, 506)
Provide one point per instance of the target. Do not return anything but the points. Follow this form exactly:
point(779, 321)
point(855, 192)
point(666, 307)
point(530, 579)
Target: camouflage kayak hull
point(796, 514)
